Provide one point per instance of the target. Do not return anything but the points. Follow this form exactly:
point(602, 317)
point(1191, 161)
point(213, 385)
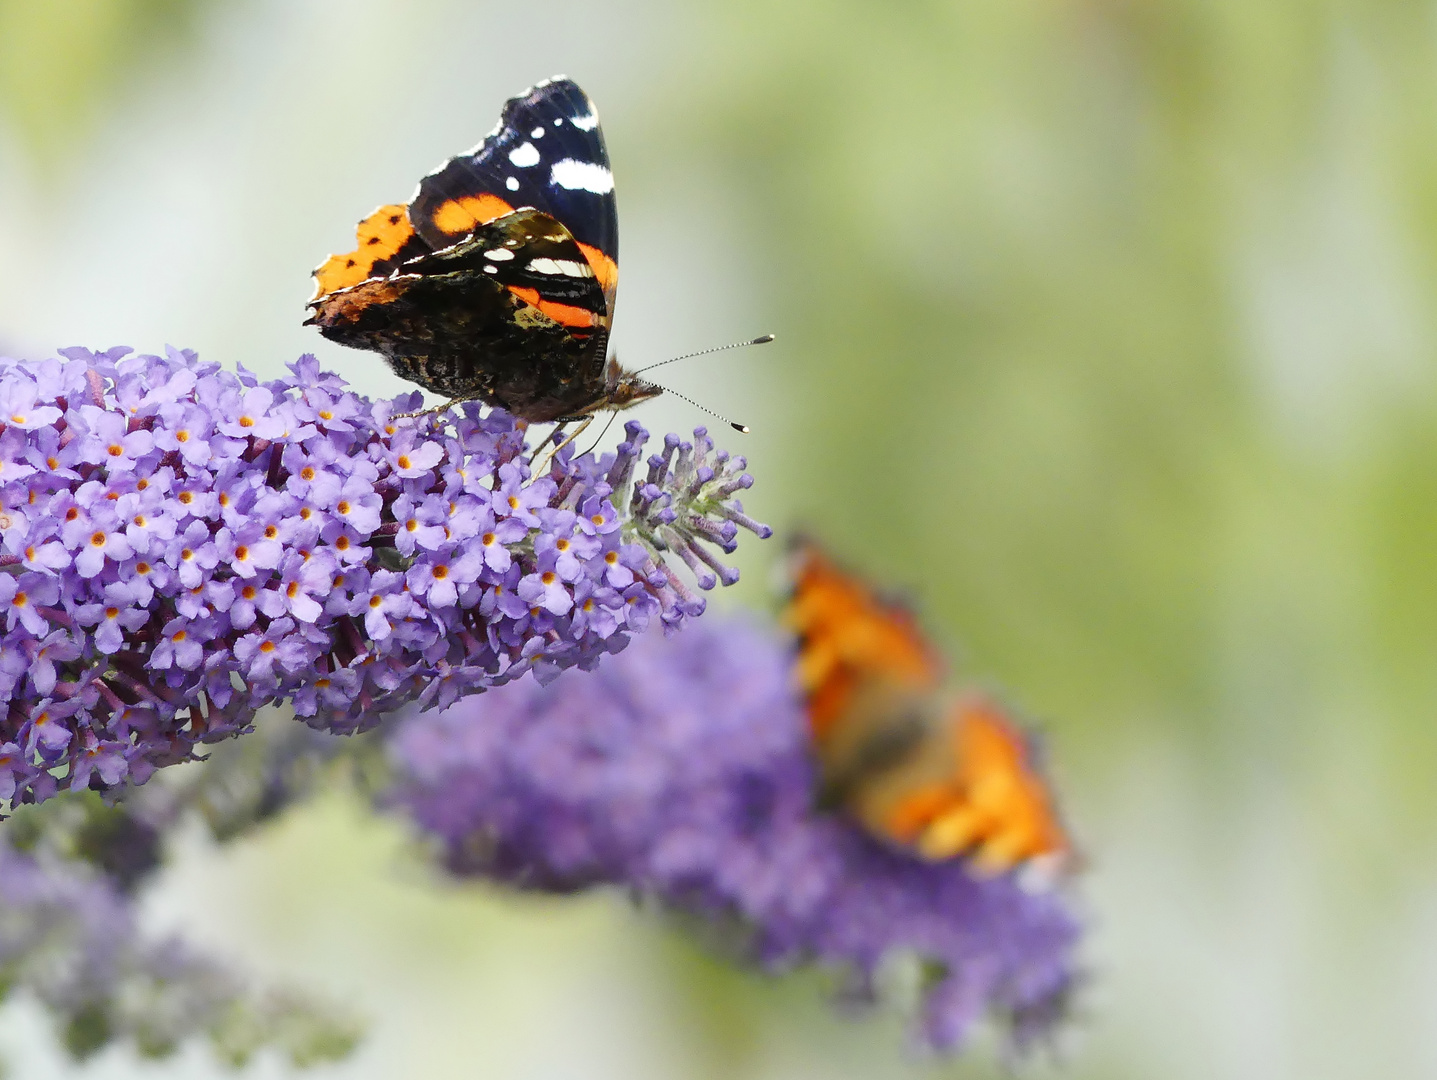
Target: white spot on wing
point(491, 269)
point(582, 176)
point(561, 266)
point(512, 183)
point(499, 255)
point(558, 120)
point(588, 122)
point(525, 155)
point(537, 133)
point(566, 267)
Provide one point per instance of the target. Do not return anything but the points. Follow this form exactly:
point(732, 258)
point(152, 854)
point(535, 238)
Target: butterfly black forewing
point(548, 153)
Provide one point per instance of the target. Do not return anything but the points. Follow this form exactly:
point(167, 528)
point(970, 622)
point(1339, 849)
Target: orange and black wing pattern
point(496, 281)
point(851, 639)
point(546, 154)
point(386, 240)
point(943, 776)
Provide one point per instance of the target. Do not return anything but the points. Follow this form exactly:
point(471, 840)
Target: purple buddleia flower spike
point(682, 772)
point(681, 505)
point(69, 937)
point(180, 546)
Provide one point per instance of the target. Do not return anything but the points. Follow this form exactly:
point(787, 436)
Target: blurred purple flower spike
point(72, 939)
point(180, 546)
point(681, 771)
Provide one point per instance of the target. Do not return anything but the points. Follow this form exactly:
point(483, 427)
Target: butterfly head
point(623, 388)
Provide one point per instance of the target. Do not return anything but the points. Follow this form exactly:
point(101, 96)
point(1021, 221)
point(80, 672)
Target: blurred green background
point(1106, 327)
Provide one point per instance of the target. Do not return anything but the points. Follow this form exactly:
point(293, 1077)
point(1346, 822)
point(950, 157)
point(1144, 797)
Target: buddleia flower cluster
point(682, 771)
point(181, 545)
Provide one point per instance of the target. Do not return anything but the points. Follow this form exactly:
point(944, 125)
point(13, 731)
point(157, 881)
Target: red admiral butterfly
point(940, 775)
point(496, 282)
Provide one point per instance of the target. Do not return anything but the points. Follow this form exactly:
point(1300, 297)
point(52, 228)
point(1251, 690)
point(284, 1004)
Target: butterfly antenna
point(764, 340)
point(742, 428)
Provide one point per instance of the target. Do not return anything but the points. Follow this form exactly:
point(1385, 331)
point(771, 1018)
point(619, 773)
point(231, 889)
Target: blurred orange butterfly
point(940, 774)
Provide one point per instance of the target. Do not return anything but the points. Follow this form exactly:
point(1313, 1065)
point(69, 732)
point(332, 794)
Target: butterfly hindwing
point(547, 153)
point(467, 321)
point(535, 257)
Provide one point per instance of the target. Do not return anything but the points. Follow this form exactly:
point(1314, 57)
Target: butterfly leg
point(571, 437)
point(434, 410)
point(553, 433)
